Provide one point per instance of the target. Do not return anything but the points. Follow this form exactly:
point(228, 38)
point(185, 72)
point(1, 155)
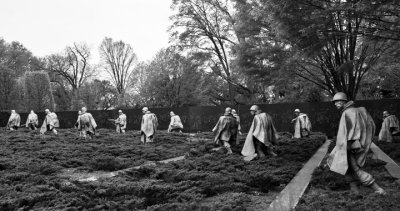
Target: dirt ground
point(33, 172)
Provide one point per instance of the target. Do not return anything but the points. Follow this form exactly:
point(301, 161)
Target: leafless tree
point(119, 59)
point(207, 26)
point(72, 65)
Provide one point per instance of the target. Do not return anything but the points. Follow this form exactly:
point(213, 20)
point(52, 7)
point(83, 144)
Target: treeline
point(222, 52)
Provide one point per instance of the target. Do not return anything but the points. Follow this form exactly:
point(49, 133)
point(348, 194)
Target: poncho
point(175, 123)
point(149, 124)
point(390, 125)
point(14, 121)
point(302, 122)
point(121, 121)
point(225, 129)
point(32, 119)
point(262, 129)
point(87, 123)
point(51, 121)
point(355, 124)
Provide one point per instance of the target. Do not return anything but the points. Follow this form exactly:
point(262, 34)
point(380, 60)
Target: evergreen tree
point(38, 93)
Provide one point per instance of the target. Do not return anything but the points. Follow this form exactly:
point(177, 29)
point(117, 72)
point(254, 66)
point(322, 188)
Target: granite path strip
point(94, 176)
point(391, 166)
point(290, 196)
point(149, 163)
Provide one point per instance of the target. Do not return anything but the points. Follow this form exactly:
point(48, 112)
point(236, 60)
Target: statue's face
point(385, 114)
point(339, 104)
point(297, 113)
point(171, 113)
point(253, 112)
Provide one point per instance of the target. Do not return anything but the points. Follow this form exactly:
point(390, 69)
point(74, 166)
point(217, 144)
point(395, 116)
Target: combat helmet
point(340, 96)
point(254, 108)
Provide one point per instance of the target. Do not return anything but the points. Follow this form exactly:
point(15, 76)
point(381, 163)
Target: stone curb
point(93, 177)
point(290, 196)
point(149, 163)
point(391, 166)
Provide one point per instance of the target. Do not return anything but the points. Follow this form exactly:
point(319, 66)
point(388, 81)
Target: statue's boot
point(259, 150)
point(271, 152)
point(378, 189)
point(228, 148)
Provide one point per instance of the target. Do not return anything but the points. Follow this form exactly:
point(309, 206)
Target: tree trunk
point(231, 93)
point(75, 102)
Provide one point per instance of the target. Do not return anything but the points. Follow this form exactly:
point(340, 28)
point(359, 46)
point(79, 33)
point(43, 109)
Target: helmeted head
point(234, 112)
point(47, 111)
point(339, 99)
point(145, 109)
point(254, 109)
point(297, 111)
point(386, 114)
point(228, 110)
point(171, 113)
point(120, 111)
point(32, 112)
point(13, 111)
point(84, 109)
point(339, 96)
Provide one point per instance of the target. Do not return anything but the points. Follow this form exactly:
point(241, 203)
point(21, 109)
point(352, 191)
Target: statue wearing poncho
point(176, 124)
point(50, 123)
point(390, 127)
point(14, 121)
point(301, 124)
point(225, 130)
point(120, 122)
point(353, 142)
point(262, 135)
point(87, 124)
point(32, 121)
point(148, 126)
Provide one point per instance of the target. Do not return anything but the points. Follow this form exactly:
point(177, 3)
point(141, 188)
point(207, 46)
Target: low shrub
point(107, 163)
point(205, 180)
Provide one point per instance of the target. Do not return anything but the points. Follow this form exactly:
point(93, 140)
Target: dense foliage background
point(222, 52)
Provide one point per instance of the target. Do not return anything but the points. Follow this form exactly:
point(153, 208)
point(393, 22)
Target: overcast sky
point(48, 26)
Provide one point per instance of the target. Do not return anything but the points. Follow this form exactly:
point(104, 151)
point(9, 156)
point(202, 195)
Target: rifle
point(112, 120)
